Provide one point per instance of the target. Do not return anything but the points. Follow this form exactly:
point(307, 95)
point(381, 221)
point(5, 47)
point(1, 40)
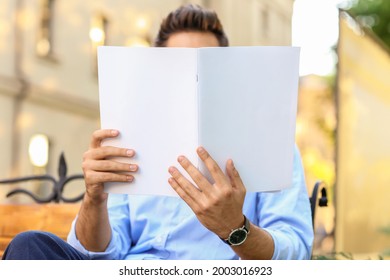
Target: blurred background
point(49, 95)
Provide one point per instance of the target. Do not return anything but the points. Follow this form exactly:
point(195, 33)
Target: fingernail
point(180, 158)
point(133, 167)
point(201, 149)
point(114, 132)
point(130, 178)
point(130, 153)
point(171, 169)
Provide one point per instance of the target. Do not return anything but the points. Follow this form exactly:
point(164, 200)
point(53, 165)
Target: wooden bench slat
point(17, 218)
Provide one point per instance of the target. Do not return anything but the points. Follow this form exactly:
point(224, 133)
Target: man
point(209, 221)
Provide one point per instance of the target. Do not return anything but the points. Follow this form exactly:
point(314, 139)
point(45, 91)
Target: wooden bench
point(52, 217)
point(57, 217)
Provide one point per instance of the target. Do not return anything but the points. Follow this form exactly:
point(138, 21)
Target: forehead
point(192, 39)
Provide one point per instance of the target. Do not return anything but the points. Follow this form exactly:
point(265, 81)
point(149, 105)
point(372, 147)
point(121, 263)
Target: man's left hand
point(218, 206)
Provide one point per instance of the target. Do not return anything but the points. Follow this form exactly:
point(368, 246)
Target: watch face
point(238, 236)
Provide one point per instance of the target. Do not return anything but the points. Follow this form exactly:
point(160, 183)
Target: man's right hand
point(99, 165)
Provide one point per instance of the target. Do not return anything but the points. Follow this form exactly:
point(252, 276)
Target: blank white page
point(248, 103)
point(150, 96)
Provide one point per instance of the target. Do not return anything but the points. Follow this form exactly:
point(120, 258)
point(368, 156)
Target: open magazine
point(237, 102)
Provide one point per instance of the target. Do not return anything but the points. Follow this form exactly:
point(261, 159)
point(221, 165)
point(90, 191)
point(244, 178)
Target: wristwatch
point(238, 235)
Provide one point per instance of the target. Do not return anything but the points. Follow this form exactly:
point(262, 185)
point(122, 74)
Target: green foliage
point(386, 231)
point(374, 14)
point(339, 256)
point(334, 256)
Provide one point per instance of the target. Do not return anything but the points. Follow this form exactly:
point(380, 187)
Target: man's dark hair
point(191, 17)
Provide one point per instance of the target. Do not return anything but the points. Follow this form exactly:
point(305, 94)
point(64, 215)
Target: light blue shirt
point(148, 227)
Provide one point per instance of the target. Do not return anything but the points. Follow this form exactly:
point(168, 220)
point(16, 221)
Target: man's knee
point(38, 245)
point(28, 238)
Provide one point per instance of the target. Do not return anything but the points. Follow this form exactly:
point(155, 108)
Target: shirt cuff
point(285, 248)
point(108, 254)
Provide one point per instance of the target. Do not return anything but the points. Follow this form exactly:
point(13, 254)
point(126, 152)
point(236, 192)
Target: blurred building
point(48, 75)
point(315, 136)
point(343, 136)
point(363, 137)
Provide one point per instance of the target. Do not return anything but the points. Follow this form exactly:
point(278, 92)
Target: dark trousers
point(38, 245)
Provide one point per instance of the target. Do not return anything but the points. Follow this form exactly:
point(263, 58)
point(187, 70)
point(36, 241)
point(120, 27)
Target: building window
point(98, 36)
point(44, 45)
point(265, 22)
point(98, 31)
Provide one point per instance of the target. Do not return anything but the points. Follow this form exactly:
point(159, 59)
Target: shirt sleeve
point(286, 216)
point(118, 210)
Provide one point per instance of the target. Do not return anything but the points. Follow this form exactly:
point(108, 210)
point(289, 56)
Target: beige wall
point(5, 140)
point(256, 22)
point(363, 158)
point(6, 38)
point(71, 72)
point(8, 89)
